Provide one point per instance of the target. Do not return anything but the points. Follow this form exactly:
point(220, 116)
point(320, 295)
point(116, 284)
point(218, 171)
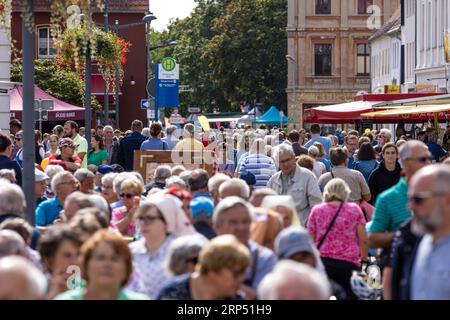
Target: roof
point(61, 110)
point(272, 116)
point(338, 113)
point(121, 6)
point(389, 27)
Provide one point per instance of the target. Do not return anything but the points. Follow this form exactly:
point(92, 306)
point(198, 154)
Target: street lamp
point(148, 20)
point(291, 59)
point(105, 84)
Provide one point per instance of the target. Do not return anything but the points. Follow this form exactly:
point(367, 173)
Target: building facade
point(385, 56)
point(328, 51)
point(5, 70)
point(433, 22)
point(134, 81)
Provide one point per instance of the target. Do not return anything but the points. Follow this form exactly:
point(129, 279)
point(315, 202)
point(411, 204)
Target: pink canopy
point(338, 113)
point(62, 111)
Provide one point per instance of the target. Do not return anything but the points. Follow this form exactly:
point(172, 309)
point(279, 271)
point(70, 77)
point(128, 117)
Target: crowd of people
point(298, 215)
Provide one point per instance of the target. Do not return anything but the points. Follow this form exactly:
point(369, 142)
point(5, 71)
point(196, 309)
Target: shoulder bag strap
point(330, 226)
point(332, 175)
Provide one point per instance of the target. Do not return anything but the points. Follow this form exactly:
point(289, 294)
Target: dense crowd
point(300, 214)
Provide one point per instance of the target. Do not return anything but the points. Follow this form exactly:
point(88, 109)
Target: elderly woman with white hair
point(183, 254)
point(160, 220)
point(338, 230)
point(285, 206)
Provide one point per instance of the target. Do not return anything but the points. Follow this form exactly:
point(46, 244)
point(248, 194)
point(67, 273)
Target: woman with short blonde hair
point(338, 230)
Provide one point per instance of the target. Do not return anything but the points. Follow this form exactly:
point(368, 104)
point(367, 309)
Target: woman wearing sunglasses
point(160, 220)
point(218, 275)
point(123, 217)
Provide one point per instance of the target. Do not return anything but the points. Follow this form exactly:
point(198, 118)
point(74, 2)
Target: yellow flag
point(447, 47)
point(204, 123)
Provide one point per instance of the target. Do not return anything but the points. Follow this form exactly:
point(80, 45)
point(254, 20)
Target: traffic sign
point(151, 114)
point(167, 84)
point(194, 110)
point(185, 88)
point(147, 104)
point(43, 104)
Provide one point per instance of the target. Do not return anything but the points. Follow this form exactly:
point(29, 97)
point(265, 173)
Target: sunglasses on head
point(420, 197)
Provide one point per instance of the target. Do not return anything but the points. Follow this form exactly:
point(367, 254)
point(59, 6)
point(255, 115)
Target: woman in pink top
point(344, 247)
point(123, 217)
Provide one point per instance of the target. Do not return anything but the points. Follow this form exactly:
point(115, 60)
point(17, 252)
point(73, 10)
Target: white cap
point(39, 175)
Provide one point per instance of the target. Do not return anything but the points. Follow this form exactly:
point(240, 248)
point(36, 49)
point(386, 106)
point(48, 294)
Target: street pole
point(116, 25)
point(87, 107)
point(105, 83)
point(29, 159)
point(149, 65)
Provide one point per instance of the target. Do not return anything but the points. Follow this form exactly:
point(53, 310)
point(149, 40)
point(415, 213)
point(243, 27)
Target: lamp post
point(105, 83)
point(28, 36)
point(291, 59)
point(149, 58)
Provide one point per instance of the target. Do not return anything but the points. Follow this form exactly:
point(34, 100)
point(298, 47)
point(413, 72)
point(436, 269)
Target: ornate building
point(328, 52)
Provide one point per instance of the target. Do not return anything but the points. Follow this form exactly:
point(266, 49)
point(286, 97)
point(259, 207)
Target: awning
point(338, 113)
point(224, 119)
point(412, 113)
point(62, 111)
point(98, 86)
point(436, 99)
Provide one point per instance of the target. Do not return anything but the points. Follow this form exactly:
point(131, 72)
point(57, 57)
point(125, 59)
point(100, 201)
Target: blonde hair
point(132, 185)
point(336, 190)
point(223, 252)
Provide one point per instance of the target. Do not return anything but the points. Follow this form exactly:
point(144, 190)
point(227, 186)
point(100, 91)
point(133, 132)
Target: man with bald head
point(429, 199)
point(20, 280)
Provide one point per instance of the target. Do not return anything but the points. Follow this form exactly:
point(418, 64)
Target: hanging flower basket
point(106, 49)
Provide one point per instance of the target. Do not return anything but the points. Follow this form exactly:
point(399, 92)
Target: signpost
point(167, 85)
point(41, 108)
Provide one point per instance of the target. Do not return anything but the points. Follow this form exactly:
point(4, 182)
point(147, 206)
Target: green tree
point(232, 50)
point(62, 84)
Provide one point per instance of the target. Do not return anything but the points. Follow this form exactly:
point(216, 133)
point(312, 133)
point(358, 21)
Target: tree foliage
point(62, 84)
point(230, 50)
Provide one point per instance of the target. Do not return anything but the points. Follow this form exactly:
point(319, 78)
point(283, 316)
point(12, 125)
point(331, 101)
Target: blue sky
point(165, 10)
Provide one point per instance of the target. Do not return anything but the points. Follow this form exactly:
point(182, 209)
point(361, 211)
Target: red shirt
point(57, 160)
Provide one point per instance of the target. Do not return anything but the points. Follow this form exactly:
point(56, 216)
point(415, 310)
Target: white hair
point(173, 180)
point(121, 177)
point(20, 266)
point(387, 133)
point(282, 149)
point(298, 277)
point(180, 250)
point(51, 171)
point(406, 150)
point(12, 199)
point(59, 179)
point(83, 174)
point(109, 177)
point(101, 204)
point(146, 132)
point(227, 204)
point(235, 182)
point(215, 179)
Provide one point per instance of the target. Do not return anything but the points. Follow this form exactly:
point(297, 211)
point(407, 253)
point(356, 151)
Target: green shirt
point(77, 294)
point(391, 209)
point(97, 158)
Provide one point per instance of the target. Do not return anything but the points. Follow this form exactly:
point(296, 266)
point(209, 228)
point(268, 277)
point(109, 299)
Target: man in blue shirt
point(429, 199)
point(63, 183)
point(316, 137)
point(171, 138)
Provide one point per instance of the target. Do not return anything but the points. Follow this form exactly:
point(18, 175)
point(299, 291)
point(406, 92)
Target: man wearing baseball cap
point(40, 181)
point(66, 158)
point(202, 209)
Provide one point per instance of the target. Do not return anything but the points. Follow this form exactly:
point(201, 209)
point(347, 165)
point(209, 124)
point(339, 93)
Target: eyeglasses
point(107, 187)
point(422, 159)
point(286, 160)
point(419, 197)
point(69, 182)
point(17, 139)
point(127, 195)
point(148, 219)
point(71, 147)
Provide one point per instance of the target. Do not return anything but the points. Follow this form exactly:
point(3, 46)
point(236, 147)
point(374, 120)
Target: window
point(323, 6)
point(363, 5)
point(45, 46)
point(322, 55)
point(363, 58)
